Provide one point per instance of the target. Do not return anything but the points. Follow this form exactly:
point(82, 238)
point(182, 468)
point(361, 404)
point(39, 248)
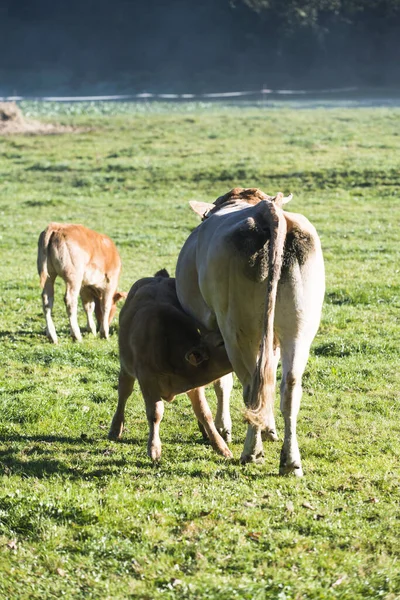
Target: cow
point(255, 273)
point(90, 265)
point(169, 353)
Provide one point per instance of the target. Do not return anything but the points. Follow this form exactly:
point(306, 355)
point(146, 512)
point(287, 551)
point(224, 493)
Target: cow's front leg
point(223, 422)
point(154, 412)
point(269, 430)
point(253, 450)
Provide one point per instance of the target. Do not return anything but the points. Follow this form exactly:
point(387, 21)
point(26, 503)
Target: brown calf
point(89, 264)
point(163, 348)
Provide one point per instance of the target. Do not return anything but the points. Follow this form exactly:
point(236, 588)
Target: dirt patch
point(13, 121)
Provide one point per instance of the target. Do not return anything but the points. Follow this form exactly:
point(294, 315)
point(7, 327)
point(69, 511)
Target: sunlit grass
point(83, 517)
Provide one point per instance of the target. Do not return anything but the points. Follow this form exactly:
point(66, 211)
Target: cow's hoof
point(114, 436)
point(52, 337)
point(269, 435)
point(257, 458)
point(286, 471)
point(154, 453)
point(226, 453)
point(226, 434)
point(292, 469)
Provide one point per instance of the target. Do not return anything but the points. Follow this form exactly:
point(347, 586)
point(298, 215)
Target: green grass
point(81, 517)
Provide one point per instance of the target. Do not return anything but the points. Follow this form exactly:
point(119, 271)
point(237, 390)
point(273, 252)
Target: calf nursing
point(90, 265)
point(164, 349)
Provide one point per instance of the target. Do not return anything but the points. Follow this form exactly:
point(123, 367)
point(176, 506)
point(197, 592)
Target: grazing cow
point(164, 349)
point(90, 265)
point(256, 273)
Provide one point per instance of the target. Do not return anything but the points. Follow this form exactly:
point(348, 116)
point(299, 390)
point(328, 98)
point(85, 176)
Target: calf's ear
point(119, 296)
point(196, 356)
point(201, 208)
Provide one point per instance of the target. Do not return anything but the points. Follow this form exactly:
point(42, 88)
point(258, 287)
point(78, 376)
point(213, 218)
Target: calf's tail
point(262, 391)
point(43, 245)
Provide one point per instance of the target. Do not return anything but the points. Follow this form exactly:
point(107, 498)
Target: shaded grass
point(83, 517)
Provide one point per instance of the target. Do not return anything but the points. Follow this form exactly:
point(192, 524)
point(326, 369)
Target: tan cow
point(255, 273)
point(164, 349)
point(90, 265)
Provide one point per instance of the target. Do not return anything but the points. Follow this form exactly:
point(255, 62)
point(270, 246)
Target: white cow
point(256, 273)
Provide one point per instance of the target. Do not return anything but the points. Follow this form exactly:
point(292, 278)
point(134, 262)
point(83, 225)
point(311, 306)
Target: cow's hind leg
point(204, 416)
point(47, 302)
point(125, 387)
point(71, 303)
point(223, 422)
point(294, 360)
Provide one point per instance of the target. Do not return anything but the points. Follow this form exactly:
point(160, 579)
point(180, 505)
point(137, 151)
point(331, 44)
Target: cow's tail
point(262, 391)
point(43, 246)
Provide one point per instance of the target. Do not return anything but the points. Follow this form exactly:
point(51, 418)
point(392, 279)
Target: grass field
point(81, 517)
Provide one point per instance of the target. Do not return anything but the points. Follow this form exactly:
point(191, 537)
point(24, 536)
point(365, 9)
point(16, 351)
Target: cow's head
point(99, 312)
point(237, 195)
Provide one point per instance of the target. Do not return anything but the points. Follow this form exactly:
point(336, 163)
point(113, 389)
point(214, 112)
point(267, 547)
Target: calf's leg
point(71, 303)
point(154, 412)
point(125, 387)
point(47, 302)
point(106, 304)
point(223, 422)
point(204, 416)
point(89, 306)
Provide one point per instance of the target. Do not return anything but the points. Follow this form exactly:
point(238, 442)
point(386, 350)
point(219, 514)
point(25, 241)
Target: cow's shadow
point(85, 457)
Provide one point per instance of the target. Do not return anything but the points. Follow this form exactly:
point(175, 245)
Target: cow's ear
point(280, 199)
point(201, 208)
point(196, 356)
point(119, 296)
